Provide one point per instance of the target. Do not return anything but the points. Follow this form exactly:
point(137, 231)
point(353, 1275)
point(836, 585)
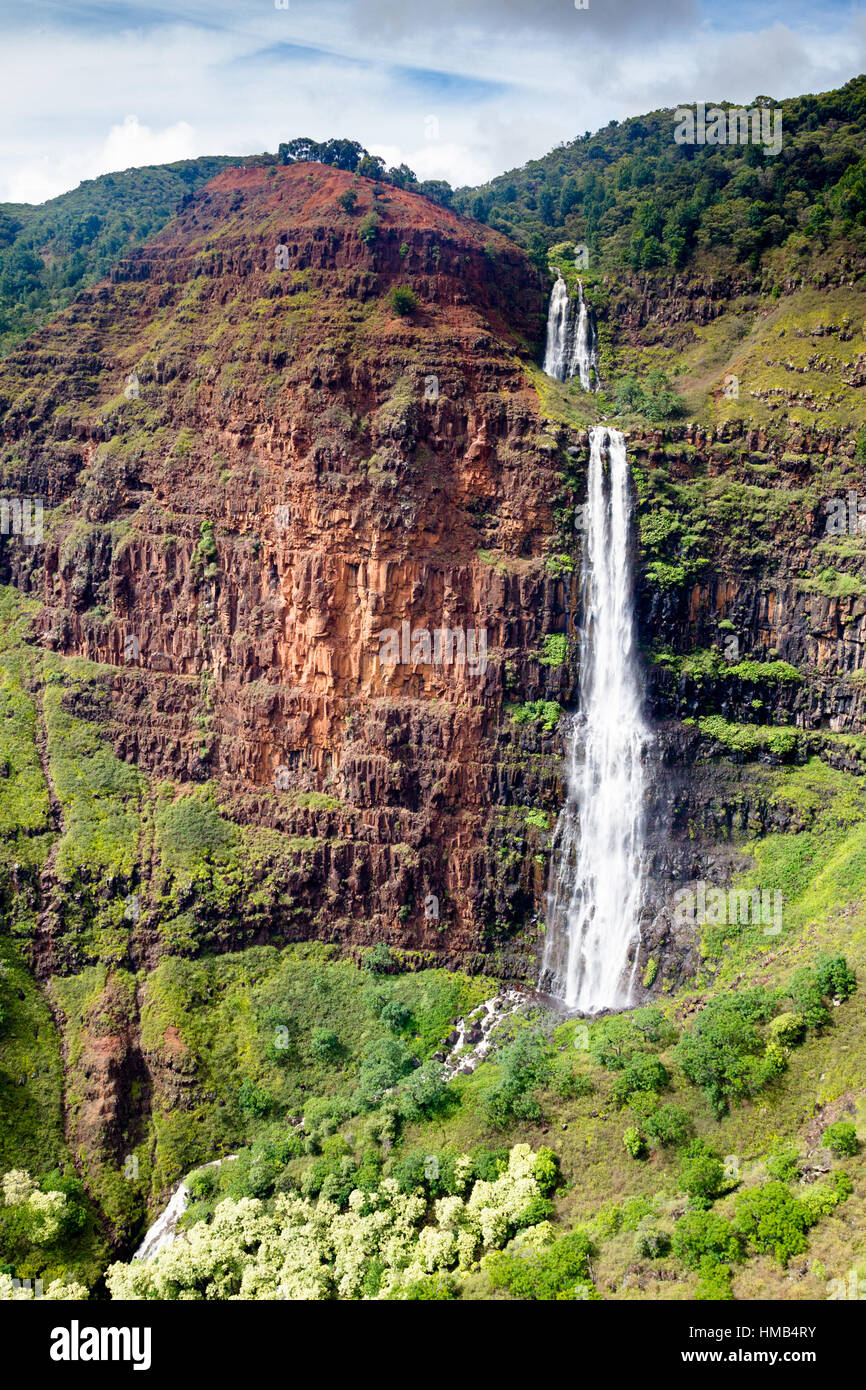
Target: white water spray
point(571, 348)
point(596, 877)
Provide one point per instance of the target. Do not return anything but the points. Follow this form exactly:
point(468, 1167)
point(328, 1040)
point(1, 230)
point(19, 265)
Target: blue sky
point(459, 89)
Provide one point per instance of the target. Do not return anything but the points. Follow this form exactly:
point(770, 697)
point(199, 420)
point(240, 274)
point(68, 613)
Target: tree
point(424, 1091)
point(302, 149)
point(702, 1173)
point(546, 206)
point(383, 1064)
point(342, 154)
point(523, 1065)
point(402, 176)
point(395, 1016)
point(324, 1044)
point(616, 1039)
point(668, 1126)
point(773, 1220)
point(724, 1053)
point(556, 1273)
point(371, 167)
point(642, 1072)
point(438, 191)
point(701, 1236)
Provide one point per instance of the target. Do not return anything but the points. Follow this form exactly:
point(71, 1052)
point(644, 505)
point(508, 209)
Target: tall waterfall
point(571, 348)
point(595, 885)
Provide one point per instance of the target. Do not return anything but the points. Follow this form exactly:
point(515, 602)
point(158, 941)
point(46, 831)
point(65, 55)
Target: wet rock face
point(252, 467)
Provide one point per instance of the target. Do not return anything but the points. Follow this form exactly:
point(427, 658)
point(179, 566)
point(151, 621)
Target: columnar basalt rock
point(298, 469)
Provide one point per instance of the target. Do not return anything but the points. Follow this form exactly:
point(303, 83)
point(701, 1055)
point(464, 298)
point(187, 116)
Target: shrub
point(403, 300)
point(546, 1170)
point(841, 1139)
point(608, 1220)
point(253, 1099)
point(643, 1072)
point(569, 1083)
point(348, 200)
point(830, 977)
point(378, 960)
point(835, 977)
point(783, 1164)
point(773, 1220)
point(787, 1029)
point(702, 1173)
point(324, 1044)
point(634, 1142)
point(725, 1054)
point(643, 1104)
point(554, 649)
point(396, 1016)
point(702, 1236)
point(820, 1199)
point(489, 1164)
point(368, 228)
point(206, 550)
point(670, 1125)
point(560, 1272)
point(636, 1211)
point(715, 1283)
point(543, 712)
point(651, 1243)
point(203, 1184)
point(440, 1287)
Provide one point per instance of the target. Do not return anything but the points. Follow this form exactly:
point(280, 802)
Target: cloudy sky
point(459, 89)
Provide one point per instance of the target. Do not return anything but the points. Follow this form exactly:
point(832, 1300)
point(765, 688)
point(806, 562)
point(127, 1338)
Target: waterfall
point(595, 886)
point(584, 356)
point(556, 355)
point(571, 346)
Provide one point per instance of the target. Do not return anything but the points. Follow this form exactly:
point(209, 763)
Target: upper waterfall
point(595, 889)
point(571, 346)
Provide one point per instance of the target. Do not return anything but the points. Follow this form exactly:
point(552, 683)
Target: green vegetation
point(554, 650)
point(641, 202)
point(368, 228)
point(749, 739)
point(48, 254)
point(841, 1139)
point(544, 712)
point(403, 300)
point(654, 397)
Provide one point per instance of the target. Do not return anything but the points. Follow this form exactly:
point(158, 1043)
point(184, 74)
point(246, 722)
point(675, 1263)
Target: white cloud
point(132, 143)
point(221, 78)
point(128, 145)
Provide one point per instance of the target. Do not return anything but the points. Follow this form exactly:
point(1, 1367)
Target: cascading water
point(595, 888)
point(584, 354)
point(571, 348)
point(556, 353)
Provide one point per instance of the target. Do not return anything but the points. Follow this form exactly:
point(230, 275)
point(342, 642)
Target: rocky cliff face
point(265, 490)
point(252, 467)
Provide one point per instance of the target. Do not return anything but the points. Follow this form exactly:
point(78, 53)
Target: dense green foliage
point(51, 252)
point(639, 200)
